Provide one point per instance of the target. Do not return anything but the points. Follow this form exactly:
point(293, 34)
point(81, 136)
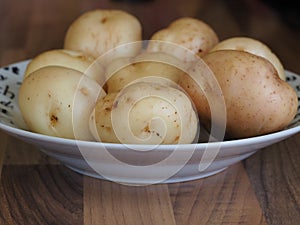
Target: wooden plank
point(40, 195)
point(3, 144)
point(274, 174)
point(20, 153)
point(225, 198)
point(109, 203)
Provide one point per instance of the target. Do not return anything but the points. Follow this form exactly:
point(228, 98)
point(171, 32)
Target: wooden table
point(36, 189)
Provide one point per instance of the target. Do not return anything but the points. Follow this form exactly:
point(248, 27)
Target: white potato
point(145, 113)
point(98, 31)
point(58, 101)
point(100, 123)
point(60, 57)
point(67, 58)
point(253, 46)
point(157, 65)
point(190, 33)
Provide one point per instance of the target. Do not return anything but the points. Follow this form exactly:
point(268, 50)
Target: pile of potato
point(105, 86)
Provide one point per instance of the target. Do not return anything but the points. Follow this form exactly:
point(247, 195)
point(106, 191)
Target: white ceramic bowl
point(133, 164)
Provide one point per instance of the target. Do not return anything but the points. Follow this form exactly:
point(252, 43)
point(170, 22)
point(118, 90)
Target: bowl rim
point(19, 132)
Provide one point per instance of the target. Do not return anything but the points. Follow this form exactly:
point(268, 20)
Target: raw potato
point(199, 98)
point(141, 67)
point(58, 101)
point(67, 58)
point(145, 113)
point(253, 46)
point(257, 100)
point(98, 31)
point(190, 33)
point(100, 123)
point(62, 93)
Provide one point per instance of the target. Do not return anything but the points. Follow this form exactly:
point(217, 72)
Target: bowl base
point(174, 179)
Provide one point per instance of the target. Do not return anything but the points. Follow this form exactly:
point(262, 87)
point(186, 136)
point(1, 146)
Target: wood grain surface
point(36, 189)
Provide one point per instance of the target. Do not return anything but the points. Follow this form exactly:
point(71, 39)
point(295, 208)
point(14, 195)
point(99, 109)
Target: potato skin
point(198, 97)
point(60, 57)
point(141, 68)
point(190, 33)
point(253, 46)
point(48, 105)
point(100, 123)
point(145, 113)
point(98, 31)
point(67, 58)
point(257, 100)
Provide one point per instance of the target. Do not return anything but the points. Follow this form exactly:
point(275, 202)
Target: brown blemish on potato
point(108, 129)
point(146, 129)
point(53, 119)
point(81, 57)
point(107, 109)
point(128, 100)
point(84, 91)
